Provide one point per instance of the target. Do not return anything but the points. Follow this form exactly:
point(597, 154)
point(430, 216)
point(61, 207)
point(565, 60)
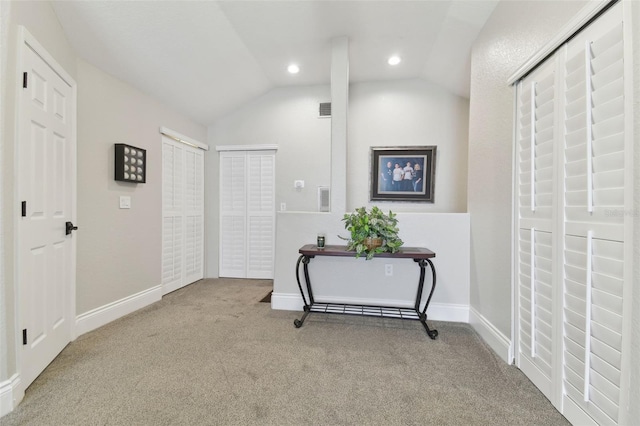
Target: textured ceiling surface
point(206, 58)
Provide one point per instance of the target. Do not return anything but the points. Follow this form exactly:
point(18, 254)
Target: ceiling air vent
point(325, 109)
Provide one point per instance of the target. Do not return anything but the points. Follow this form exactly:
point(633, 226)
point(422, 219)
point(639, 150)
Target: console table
point(421, 256)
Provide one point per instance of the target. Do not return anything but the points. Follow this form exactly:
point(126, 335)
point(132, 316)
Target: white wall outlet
point(283, 207)
point(388, 270)
point(125, 202)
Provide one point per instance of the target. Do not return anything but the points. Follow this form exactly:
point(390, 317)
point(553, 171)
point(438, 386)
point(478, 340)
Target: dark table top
point(340, 250)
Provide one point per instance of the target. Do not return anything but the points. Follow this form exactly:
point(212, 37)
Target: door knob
point(69, 228)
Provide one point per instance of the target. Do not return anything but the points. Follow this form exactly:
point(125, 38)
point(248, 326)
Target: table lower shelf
point(373, 311)
point(367, 310)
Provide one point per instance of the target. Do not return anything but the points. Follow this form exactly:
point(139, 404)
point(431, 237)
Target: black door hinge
point(24, 209)
point(24, 336)
point(24, 80)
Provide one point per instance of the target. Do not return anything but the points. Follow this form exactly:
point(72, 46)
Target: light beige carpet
point(213, 354)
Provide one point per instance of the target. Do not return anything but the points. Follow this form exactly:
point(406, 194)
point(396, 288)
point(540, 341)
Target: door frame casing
point(26, 40)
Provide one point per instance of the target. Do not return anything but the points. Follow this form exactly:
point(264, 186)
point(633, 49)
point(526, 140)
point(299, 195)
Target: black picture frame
point(417, 183)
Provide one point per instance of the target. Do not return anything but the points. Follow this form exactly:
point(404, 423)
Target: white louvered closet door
point(194, 214)
point(233, 216)
point(182, 215)
point(247, 214)
point(594, 242)
point(172, 218)
point(535, 145)
point(260, 214)
point(572, 258)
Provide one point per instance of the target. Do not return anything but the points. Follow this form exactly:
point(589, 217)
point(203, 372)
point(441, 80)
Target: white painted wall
point(513, 33)
point(287, 117)
point(379, 113)
point(389, 113)
point(404, 113)
point(447, 234)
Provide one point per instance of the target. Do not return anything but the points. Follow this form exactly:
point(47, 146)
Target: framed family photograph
point(403, 173)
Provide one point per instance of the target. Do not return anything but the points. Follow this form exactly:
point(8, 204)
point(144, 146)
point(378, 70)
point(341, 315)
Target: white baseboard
point(436, 311)
point(286, 301)
point(492, 336)
point(448, 312)
point(105, 314)
point(7, 390)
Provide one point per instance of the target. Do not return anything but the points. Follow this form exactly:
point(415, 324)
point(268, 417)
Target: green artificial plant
point(363, 224)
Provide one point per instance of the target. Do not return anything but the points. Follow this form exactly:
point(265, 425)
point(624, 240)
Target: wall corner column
point(339, 111)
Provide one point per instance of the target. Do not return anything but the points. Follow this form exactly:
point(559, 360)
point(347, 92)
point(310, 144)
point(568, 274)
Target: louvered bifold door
point(536, 128)
point(595, 150)
point(594, 134)
point(535, 307)
point(233, 188)
point(594, 278)
point(193, 214)
point(182, 215)
point(172, 217)
point(260, 214)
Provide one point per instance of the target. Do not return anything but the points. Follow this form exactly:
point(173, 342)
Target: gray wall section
point(514, 32)
point(118, 250)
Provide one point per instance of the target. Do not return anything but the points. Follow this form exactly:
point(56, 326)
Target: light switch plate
point(125, 202)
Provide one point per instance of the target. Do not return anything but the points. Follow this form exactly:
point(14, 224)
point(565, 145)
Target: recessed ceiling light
point(293, 69)
point(394, 60)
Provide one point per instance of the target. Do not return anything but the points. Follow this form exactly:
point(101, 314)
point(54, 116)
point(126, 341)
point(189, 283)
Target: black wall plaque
point(131, 163)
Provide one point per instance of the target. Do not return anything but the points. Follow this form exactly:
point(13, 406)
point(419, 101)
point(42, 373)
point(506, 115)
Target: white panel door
point(247, 214)
point(182, 215)
point(46, 186)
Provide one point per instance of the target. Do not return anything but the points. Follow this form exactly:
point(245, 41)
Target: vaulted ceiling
point(206, 58)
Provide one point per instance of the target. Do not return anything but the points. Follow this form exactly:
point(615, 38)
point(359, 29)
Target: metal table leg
point(307, 306)
point(423, 313)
